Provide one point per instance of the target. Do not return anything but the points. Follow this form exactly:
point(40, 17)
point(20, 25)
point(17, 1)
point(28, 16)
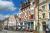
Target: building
point(33, 16)
point(27, 14)
point(48, 8)
point(41, 14)
point(11, 22)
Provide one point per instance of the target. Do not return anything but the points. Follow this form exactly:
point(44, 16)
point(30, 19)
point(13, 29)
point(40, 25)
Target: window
point(43, 7)
point(43, 15)
point(30, 25)
point(49, 15)
point(49, 6)
point(44, 25)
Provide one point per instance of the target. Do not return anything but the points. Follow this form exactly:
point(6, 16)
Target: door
point(44, 26)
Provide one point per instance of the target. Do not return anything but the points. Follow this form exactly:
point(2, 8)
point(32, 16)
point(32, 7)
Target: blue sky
point(9, 7)
point(16, 3)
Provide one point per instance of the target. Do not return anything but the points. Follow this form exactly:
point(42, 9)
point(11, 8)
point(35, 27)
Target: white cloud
point(2, 17)
point(7, 5)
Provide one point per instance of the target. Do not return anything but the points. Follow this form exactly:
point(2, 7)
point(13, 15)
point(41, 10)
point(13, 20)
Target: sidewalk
point(18, 32)
point(44, 32)
point(35, 32)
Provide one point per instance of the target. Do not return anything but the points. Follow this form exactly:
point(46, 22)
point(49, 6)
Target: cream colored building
point(43, 13)
point(12, 21)
point(33, 10)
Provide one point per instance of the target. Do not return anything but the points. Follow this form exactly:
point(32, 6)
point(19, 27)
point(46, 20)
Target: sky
point(16, 4)
point(9, 7)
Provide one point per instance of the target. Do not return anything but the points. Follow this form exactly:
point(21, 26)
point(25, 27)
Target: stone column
point(34, 26)
point(40, 27)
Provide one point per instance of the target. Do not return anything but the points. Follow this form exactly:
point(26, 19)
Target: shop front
point(25, 26)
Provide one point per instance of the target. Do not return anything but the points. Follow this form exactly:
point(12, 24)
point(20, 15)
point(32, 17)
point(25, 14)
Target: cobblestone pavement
point(13, 32)
point(6, 31)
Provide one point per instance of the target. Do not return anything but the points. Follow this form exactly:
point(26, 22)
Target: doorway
point(44, 26)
